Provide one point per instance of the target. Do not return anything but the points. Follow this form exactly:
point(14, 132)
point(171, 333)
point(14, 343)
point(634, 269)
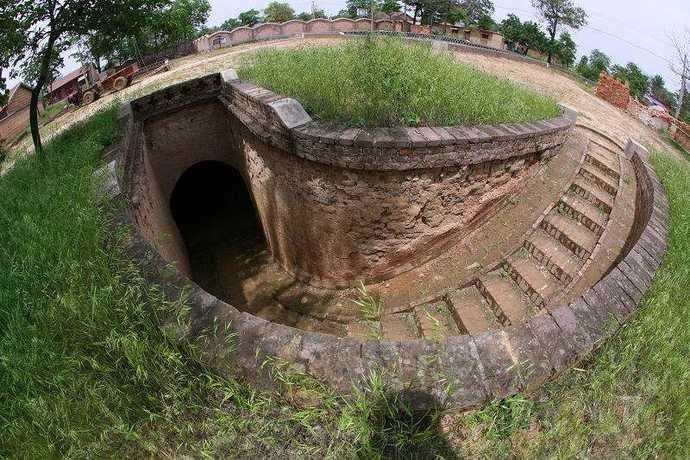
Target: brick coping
point(460, 371)
point(283, 123)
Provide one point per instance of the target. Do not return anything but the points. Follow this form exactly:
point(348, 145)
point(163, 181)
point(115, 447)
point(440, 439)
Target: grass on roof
point(389, 82)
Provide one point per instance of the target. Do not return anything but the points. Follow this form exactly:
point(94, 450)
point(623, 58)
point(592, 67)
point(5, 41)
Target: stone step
point(584, 212)
point(605, 165)
point(548, 251)
point(594, 193)
point(572, 234)
point(508, 303)
point(436, 321)
point(400, 326)
point(604, 181)
point(534, 280)
point(472, 311)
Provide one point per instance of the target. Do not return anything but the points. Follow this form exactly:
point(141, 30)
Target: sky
point(626, 30)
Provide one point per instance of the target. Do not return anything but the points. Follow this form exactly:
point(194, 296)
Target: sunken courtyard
point(466, 262)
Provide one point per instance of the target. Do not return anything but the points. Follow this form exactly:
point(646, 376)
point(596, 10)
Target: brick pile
point(613, 91)
point(682, 134)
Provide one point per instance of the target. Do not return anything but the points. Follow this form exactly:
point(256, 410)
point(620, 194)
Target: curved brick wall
point(337, 205)
point(461, 371)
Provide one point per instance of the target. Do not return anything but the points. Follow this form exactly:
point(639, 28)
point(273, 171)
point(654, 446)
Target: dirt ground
point(594, 112)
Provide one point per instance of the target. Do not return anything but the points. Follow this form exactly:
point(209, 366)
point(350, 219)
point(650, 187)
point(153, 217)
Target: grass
point(85, 372)
point(386, 82)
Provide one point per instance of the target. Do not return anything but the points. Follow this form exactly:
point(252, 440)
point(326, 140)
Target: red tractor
point(90, 90)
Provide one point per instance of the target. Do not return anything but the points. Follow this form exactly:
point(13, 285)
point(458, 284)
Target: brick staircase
point(552, 258)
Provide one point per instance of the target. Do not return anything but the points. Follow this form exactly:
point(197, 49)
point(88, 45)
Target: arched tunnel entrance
point(215, 215)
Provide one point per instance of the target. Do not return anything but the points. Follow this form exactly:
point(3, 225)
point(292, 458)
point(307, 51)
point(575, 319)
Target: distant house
point(484, 37)
point(14, 116)
point(67, 85)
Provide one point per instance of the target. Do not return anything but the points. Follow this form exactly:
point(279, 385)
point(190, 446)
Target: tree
point(527, 35)
point(511, 28)
point(680, 66)
point(3, 89)
point(557, 13)
point(592, 66)
point(278, 12)
point(230, 24)
point(389, 7)
point(566, 49)
point(34, 33)
point(179, 20)
point(637, 80)
point(657, 87)
point(476, 9)
point(249, 17)
point(486, 22)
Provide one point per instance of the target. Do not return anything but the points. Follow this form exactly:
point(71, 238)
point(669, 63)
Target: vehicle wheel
point(120, 83)
point(88, 98)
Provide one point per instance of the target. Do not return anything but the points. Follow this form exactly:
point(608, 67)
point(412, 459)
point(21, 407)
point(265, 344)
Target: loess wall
point(337, 206)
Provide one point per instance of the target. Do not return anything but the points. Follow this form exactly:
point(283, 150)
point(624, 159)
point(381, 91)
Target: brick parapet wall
point(393, 148)
point(681, 133)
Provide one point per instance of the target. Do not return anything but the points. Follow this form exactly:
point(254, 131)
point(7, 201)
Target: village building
point(14, 116)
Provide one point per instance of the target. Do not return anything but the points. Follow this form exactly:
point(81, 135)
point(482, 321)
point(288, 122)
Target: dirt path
point(594, 112)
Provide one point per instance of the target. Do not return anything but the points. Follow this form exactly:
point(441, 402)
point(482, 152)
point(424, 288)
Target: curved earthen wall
point(337, 205)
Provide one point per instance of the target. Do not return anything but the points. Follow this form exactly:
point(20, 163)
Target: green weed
point(387, 82)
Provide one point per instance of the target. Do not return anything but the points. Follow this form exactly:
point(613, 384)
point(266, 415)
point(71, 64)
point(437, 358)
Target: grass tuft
point(388, 82)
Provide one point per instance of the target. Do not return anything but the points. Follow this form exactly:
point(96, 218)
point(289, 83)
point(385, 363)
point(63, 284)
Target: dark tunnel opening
point(215, 215)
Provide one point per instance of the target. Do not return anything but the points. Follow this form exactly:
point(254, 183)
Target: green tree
point(559, 13)
point(3, 89)
point(389, 7)
point(657, 87)
point(511, 28)
point(566, 49)
point(249, 17)
point(278, 12)
point(230, 24)
point(476, 9)
point(526, 36)
point(486, 23)
point(637, 80)
point(590, 67)
point(35, 33)
point(179, 20)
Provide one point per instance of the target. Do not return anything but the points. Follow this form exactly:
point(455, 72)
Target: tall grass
point(81, 360)
point(85, 371)
point(387, 82)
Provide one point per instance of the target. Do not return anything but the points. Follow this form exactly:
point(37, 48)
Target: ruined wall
point(613, 91)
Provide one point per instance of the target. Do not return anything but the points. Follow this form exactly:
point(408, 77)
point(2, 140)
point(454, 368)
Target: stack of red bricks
point(613, 91)
point(682, 134)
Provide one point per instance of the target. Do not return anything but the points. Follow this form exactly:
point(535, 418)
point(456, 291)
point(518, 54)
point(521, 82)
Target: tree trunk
point(416, 12)
point(683, 87)
point(36, 93)
point(552, 33)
